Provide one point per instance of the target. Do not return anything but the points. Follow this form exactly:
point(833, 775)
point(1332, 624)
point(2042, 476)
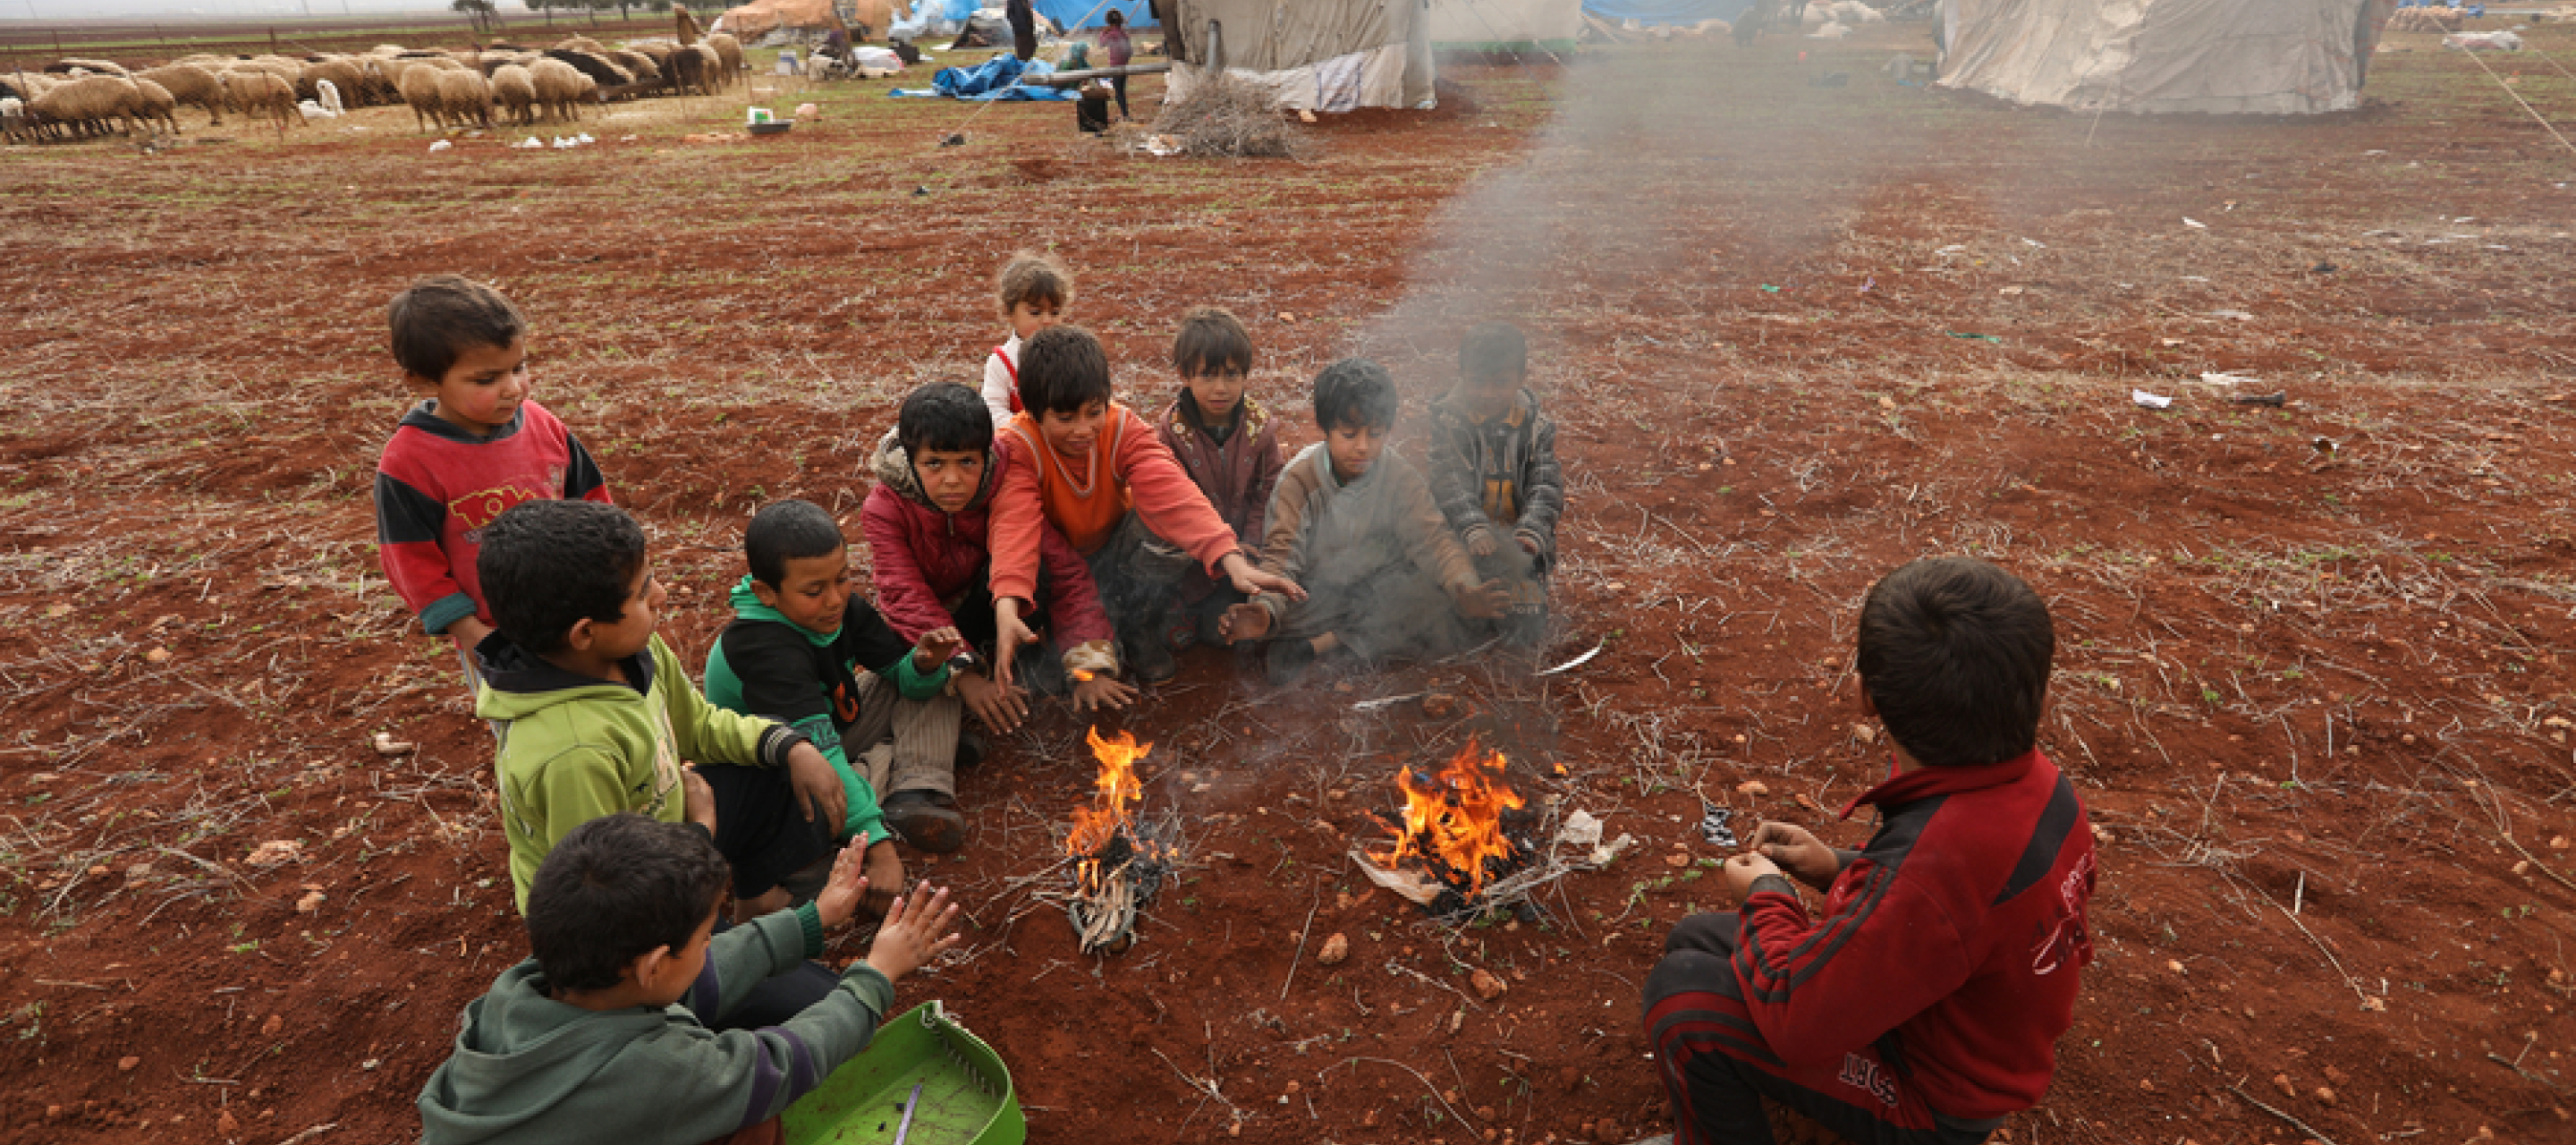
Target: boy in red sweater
point(477, 444)
point(1074, 459)
point(1926, 1002)
point(1225, 441)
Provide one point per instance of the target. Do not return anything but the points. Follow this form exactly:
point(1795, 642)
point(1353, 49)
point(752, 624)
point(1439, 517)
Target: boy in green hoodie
point(596, 715)
point(794, 652)
point(603, 1035)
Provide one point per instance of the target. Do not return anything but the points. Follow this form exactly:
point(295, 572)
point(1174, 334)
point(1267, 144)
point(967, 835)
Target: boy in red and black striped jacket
point(1925, 1001)
point(476, 445)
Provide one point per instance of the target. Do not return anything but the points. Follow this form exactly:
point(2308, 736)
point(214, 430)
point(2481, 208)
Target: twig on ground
point(1417, 1076)
point(1302, 932)
point(2295, 1123)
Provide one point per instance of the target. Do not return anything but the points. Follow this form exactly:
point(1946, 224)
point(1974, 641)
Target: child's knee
point(1691, 972)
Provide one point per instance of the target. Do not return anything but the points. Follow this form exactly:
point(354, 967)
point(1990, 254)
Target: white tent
point(1497, 22)
point(2269, 57)
point(1322, 55)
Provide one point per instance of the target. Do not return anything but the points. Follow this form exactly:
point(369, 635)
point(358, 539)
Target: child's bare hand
point(1797, 851)
point(1481, 543)
point(467, 633)
point(841, 893)
point(697, 799)
point(1529, 544)
point(1740, 871)
point(1243, 622)
point(934, 648)
point(1000, 706)
point(819, 793)
point(1102, 691)
point(1251, 581)
point(883, 871)
point(1485, 601)
point(917, 929)
point(1008, 634)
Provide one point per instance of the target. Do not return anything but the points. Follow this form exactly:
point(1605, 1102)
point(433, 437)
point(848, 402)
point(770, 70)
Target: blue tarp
point(994, 79)
point(1091, 12)
point(1666, 11)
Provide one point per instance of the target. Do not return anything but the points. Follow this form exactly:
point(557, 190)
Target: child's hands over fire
point(1101, 690)
point(917, 929)
point(1243, 622)
point(1798, 852)
point(1000, 706)
point(934, 648)
point(1480, 542)
point(1485, 601)
point(1008, 634)
point(1251, 581)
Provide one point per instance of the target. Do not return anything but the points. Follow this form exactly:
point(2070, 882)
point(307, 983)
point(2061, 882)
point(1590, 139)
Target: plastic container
point(770, 127)
point(966, 1093)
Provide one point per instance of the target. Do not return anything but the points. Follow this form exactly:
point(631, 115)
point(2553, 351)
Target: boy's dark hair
point(946, 417)
point(1212, 341)
point(618, 887)
point(1062, 369)
point(1115, 18)
point(1357, 393)
point(1494, 348)
point(547, 565)
point(1033, 278)
point(784, 531)
point(439, 316)
point(1955, 655)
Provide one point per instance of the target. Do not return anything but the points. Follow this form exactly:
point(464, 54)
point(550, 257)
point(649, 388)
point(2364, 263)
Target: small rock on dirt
point(127, 1064)
point(275, 851)
point(2325, 1095)
point(1337, 946)
point(386, 745)
point(1487, 985)
point(227, 1124)
point(269, 1028)
point(158, 655)
point(312, 901)
point(1438, 705)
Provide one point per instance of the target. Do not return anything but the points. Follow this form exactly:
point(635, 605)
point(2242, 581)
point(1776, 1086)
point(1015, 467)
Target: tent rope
point(2553, 62)
point(2517, 98)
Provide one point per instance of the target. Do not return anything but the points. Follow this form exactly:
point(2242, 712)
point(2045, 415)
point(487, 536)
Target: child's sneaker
point(927, 820)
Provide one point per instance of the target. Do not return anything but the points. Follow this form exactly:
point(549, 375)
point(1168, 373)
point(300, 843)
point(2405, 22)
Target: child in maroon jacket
point(1926, 1002)
point(928, 524)
point(1224, 439)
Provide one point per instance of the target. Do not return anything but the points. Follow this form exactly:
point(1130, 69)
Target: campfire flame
point(1097, 828)
point(1453, 819)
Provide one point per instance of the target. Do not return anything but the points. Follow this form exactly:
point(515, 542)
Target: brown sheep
point(643, 67)
point(728, 55)
point(419, 86)
point(262, 94)
point(156, 104)
point(558, 87)
point(191, 85)
point(85, 105)
point(343, 74)
point(582, 44)
point(68, 65)
point(465, 95)
point(516, 91)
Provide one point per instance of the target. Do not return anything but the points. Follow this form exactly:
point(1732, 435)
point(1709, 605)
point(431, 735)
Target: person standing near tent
point(1115, 48)
point(1023, 18)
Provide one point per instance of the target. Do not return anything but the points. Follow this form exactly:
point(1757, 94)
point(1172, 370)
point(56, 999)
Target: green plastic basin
point(966, 1093)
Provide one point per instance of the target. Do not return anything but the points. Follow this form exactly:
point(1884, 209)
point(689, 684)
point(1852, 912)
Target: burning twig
point(1118, 861)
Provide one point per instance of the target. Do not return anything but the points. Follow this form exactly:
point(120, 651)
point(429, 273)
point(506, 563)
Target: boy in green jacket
point(596, 715)
point(806, 650)
point(603, 1036)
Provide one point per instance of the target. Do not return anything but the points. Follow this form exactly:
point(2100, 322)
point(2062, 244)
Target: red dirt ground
point(2312, 672)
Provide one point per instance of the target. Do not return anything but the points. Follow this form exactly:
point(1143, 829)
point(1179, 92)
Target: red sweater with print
point(1952, 942)
point(437, 486)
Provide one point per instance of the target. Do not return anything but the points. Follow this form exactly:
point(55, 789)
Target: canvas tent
point(2265, 57)
point(1094, 13)
point(1492, 23)
point(761, 17)
point(1322, 55)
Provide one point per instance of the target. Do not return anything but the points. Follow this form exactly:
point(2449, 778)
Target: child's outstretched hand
point(881, 873)
point(847, 886)
point(934, 648)
point(1102, 691)
point(1740, 871)
point(1485, 601)
point(1481, 543)
point(1251, 581)
point(1008, 634)
point(1797, 851)
point(1000, 706)
point(1529, 544)
point(1243, 622)
point(916, 930)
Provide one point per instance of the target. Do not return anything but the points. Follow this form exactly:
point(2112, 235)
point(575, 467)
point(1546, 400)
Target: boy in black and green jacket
point(805, 650)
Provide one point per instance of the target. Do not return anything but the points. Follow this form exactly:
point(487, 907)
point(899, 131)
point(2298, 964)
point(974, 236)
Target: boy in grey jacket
point(600, 1036)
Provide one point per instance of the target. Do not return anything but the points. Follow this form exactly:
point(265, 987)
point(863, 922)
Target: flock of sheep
point(77, 98)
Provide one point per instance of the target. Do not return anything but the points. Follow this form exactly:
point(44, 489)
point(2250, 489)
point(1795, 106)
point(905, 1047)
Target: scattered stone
point(2375, 1005)
point(2282, 1082)
point(2558, 842)
point(227, 1124)
point(311, 902)
point(158, 656)
point(269, 1028)
point(388, 746)
point(1484, 1113)
point(1457, 1020)
point(1487, 985)
point(1753, 787)
point(1337, 947)
point(2101, 834)
point(1677, 859)
point(1368, 1120)
point(2175, 965)
point(127, 1064)
point(1438, 705)
point(1865, 733)
point(275, 851)
point(2325, 1095)
point(2146, 1085)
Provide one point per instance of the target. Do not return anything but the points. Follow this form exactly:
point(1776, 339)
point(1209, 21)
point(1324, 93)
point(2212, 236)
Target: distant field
point(31, 44)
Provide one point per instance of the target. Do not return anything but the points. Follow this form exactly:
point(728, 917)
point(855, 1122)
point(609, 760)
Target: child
point(1035, 289)
point(603, 1035)
point(927, 524)
point(1357, 527)
point(1925, 1004)
point(477, 444)
point(792, 653)
point(1225, 441)
point(1493, 467)
point(1117, 50)
point(1085, 464)
point(599, 713)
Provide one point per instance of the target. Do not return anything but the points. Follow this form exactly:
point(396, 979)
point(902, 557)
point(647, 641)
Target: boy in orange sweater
point(1075, 459)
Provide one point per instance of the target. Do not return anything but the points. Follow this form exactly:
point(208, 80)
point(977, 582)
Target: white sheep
point(193, 85)
point(465, 95)
point(515, 89)
point(327, 94)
